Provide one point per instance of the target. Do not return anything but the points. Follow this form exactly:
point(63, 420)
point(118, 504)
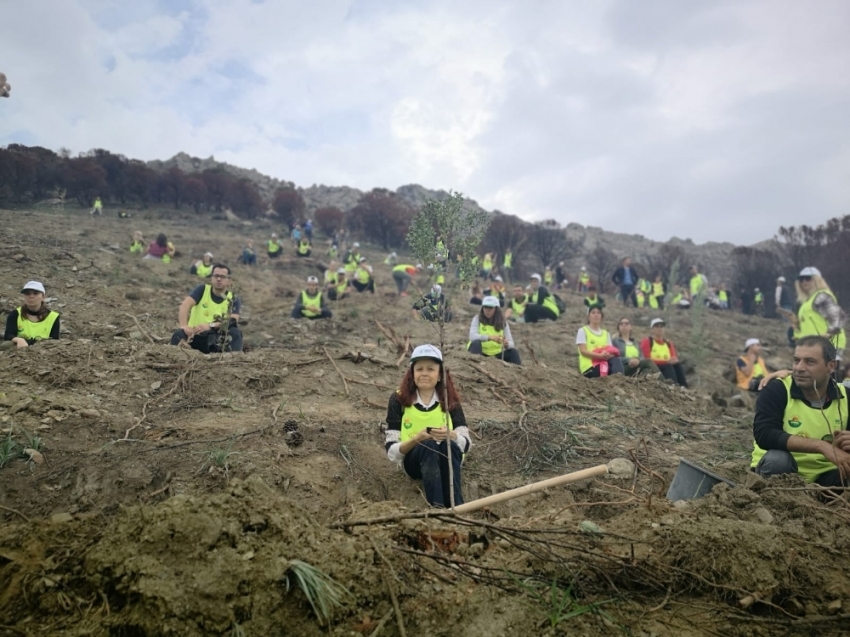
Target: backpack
point(562, 307)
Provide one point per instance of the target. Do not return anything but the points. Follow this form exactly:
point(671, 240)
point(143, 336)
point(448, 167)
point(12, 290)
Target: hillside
point(174, 492)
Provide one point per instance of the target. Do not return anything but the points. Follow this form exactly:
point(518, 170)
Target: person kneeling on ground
point(801, 422)
point(203, 312)
point(596, 354)
point(750, 368)
point(490, 335)
point(634, 362)
point(663, 353)
point(161, 248)
point(433, 305)
point(337, 285)
point(203, 268)
point(541, 304)
point(363, 280)
point(304, 248)
point(311, 302)
point(593, 298)
point(33, 321)
point(419, 431)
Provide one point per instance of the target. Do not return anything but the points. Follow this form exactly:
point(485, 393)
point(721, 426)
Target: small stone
point(136, 335)
point(476, 550)
point(34, 456)
point(763, 515)
point(591, 528)
point(61, 518)
point(680, 504)
point(834, 607)
point(676, 437)
point(667, 521)
point(21, 405)
point(621, 468)
point(156, 385)
point(753, 481)
point(90, 413)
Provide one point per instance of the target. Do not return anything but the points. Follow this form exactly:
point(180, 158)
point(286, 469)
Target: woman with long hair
point(425, 420)
point(819, 313)
point(596, 354)
point(33, 321)
point(631, 357)
point(490, 335)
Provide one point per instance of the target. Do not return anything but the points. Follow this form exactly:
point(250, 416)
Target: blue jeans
point(776, 462)
point(428, 462)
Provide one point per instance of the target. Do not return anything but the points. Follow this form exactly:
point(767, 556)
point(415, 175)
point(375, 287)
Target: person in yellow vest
point(337, 288)
point(663, 353)
point(363, 279)
point(656, 296)
point(33, 321)
point(680, 301)
point(203, 268)
point(723, 297)
point(486, 265)
point(497, 289)
point(508, 265)
point(138, 244)
point(640, 298)
point(274, 248)
point(541, 305)
point(422, 425)
point(207, 310)
point(434, 306)
point(758, 299)
point(583, 280)
point(595, 347)
point(304, 248)
point(490, 335)
point(97, 209)
point(330, 275)
point(697, 284)
point(310, 304)
point(333, 250)
point(631, 357)
point(819, 313)
point(750, 368)
point(516, 307)
point(548, 277)
point(392, 259)
point(351, 259)
point(402, 275)
point(801, 421)
point(593, 298)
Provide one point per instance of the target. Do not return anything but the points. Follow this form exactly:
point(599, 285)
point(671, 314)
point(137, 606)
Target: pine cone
point(290, 426)
point(294, 439)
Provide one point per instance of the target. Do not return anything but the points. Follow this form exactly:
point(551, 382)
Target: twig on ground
point(141, 329)
point(166, 486)
point(338, 371)
point(381, 624)
point(403, 351)
point(16, 512)
point(389, 581)
point(531, 351)
point(499, 396)
point(499, 382)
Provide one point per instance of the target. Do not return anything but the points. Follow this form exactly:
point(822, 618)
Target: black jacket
point(620, 274)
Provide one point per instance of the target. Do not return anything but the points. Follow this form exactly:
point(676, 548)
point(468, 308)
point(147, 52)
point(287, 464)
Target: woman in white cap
point(204, 267)
point(819, 313)
point(750, 369)
point(490, 334)
point(337, 286)
point(597, 355)
point(274, 248)
point(310, 304)
point(33, 321)
point(419, 429)
point(663, 353)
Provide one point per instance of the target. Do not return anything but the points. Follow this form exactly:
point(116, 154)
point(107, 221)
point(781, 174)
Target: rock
point(676, 437)
point(763, 515)
point(21, 405)
point(680, 504)
point(90, 413)
point(61, 518)
point(476, 550)
point(753, 481)
point(156, 385)
point(19, 257)
point(34, 456)
point(834, 607)
point(136, 335)
point(621, 468)
point(591, 528)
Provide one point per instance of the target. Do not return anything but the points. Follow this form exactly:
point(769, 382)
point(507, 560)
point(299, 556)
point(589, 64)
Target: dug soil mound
point(172, 493)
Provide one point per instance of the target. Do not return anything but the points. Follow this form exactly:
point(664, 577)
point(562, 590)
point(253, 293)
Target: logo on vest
point(795, 423)
point(407, 424)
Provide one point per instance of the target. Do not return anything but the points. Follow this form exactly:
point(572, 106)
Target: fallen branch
point(16, 512)
point(390, 334)
point(531, 351)
point(501, 383)
point(141, 329)
point(391, 588)
point(336, 367)
point(403, 351)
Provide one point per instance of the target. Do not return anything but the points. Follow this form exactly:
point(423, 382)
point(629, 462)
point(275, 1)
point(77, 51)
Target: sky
point(715, 121)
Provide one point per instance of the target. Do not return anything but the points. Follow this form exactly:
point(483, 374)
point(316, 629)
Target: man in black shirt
point(202, 312)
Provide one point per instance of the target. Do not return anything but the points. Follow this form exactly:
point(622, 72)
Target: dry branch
point(336, 367)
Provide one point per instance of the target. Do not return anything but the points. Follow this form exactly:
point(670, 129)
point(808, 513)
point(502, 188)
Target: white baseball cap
point(750, 342)
point(536, 276)
point(436, 289)
point(362, 259)
point(656, 321)
point(355, 245)
point(312, 279)
point(810, 271)
point(341, 271)
point(583, 269)
point(490, 301)
point(208, 254)
point(499, 279)
point(393, 254)
point(426, 351)
point(35, 286)
point(274, 234)
point(757, 290)
point(781, 279)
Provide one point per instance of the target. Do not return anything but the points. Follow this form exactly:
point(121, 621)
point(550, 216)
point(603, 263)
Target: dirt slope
point(176, 489)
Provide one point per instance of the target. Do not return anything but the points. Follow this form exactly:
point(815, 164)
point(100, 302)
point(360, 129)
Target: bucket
point(692, 482)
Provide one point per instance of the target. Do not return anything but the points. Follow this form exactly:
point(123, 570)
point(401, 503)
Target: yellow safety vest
point(696, 284)
point(402, 268)
point(207, 309)
point(32, 331)
point(413, 421)
point(723, 296)
point(489, 348)
point(204, 271)
point(332, 252)
point(812, 323)
point(584, 278)
point(645, 286)
point(488, 263)
point(340, 288)
point(759, 297)
point(641, 298)
point(519, 306)
point(653, 302)
point(593, 341)
point(801, 420)
point(509, 257)
point(549, 302)
point(658, 289)
point(274, 247)
point(303, 248)
point(547, 278)
point(330, 277)
point(350, 264)
point(362, 275)
point(441, 279)
point(632, 351)
point(659, 351)
point(306, 299)
point(136, 247)
point(98, 204)
point(676, 299)
point(759, 369)
point(591, 301)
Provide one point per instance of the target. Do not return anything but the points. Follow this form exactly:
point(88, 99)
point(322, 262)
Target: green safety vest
point(332, 252)
point(640, 295)
point(801, 420)
point(341, 287)
point(548, 302)
point(402, 268)
point(590, 301)
point(489, 348)
point(547, 278)
point(509, 257)
point(594, 341)
point(274, 247)
point(759, 297)
point(306, 299)
point(519, 306)
point(812, 323)
point(632, 351)
point(204, 271)
point(676, 299)
point(724, 296)
point(658, 289)
point(584, 278)
point(653, 301)
point(304, 248)
point(413, 421)
point(330, 277)
point(441, 279)
point(362, 275)
point(645, 286)
point(696, 284)
point(137, 247)
point(488, 263)
point(31, 331)
point(207, 309)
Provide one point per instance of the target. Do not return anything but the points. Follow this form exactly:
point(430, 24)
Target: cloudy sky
point(710, 120)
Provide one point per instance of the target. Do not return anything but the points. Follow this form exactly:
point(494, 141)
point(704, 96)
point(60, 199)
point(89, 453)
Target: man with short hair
point(801, 421)
point(310, 304)
point(203, 312)
point(626, 277)
point(516, 308)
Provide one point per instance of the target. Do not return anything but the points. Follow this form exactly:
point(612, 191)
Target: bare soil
point(176, 489)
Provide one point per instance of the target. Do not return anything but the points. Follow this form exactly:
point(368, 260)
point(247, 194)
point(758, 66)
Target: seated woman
point(161, 249)
point(593, 298)
point(304, 249)
point(248, 256)
point(750, 369)
point(204, 267)
point(633, 360)
point(419, 430)
point(663, 353)
point(490, 335)
point(33, 321)
point(596, 354)
point(138, 244)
